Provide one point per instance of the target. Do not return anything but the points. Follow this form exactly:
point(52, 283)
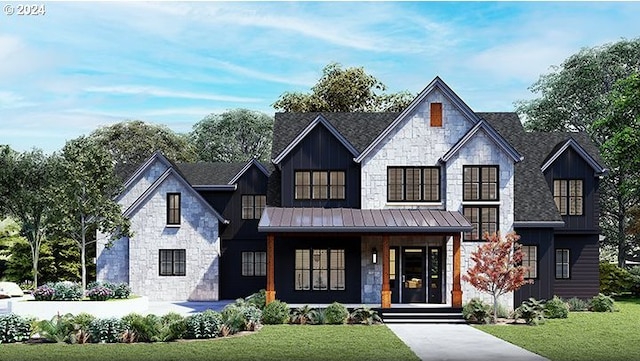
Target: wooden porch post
point(271, 288)
point(386, 290)
point(456, 293)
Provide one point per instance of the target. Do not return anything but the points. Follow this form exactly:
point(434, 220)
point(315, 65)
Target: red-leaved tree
point(497, 269)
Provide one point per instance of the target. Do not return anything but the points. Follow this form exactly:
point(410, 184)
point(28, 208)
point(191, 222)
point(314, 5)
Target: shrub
point(365, 316)
point(173, 326)
point(614, 280)
point(14, 328)
point(81, 324)
point(336, 314)
point(44, 293)
point(275, 313)
point(602, 303)
point(143, 328)
point(100, 293)
point(301, 315)
point(233, 317)
point(67, 291)
point(121, 290)
point(635, 280)
point(556, 308)
point(258, 299)
point(577, 304)
point(318, 317)
point(477, 311)
point(203, 325)
point(106, 330)
point(532, 311)
point(58, 329)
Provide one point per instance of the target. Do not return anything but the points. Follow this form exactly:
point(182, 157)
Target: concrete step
point(423, 320)
point(422, 315)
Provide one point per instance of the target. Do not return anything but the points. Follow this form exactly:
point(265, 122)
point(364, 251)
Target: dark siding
point(232, 284)
point(570, 165)
point(285, 269)
point(584, 272)
point(542, 287)
point(320, 150)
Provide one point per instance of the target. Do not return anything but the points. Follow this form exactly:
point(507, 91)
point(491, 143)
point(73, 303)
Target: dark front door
point(413, 283)
point(435, 274)
point(394, 274)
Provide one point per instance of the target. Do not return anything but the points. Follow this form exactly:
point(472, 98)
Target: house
point(379, 208)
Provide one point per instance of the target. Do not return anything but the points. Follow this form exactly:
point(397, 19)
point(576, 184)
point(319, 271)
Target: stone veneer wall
point(135, 190)
point(197, 233)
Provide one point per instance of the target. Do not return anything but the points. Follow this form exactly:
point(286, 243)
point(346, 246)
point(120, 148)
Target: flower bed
point(47, 309)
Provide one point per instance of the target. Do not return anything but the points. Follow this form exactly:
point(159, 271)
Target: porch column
point(386, 290)
point(456, 293)
point(271, 288)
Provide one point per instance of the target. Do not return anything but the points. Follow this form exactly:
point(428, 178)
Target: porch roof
point(349, 220)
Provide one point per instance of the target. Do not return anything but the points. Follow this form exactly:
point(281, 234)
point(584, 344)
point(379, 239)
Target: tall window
point(414, 184)
point(562, 263)
point(253, 205)
point(319, 185)
point(483, 219)
point(530, 260)
point(568, 195)
point(254, 263)
point(173, 262)
point(319, 269)
point(173, 208)
point(480, 183)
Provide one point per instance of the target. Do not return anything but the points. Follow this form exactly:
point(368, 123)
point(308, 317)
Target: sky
point(83, 65)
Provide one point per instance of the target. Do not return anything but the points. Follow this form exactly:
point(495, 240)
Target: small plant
point(556, 308)
point(275, 313)
point(100, 293)
point(477, 311)
point(364, 316)
point(258, 299)
point(203, 325)
point(577, 305)
point(532, 311)
point(121, 290)
point(602, 303)
point(67, 291)
point(233, 319)
point(318, 317)
point(144, 328)
point(173, 327)
point(336, 314)
point(301, 315)
point(14, 328)
point(106, 330)
point(58, 329)
point(44, 293)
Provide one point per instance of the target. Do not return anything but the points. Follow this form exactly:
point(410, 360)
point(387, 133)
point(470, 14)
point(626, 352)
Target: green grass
point(283, 342)
point(582, 336)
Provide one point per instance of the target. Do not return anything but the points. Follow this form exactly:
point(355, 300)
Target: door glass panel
point(392, 264)
point(413, 268)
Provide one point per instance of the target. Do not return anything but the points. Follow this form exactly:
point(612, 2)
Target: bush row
point(70, 291)
point(278, 312)
point(534, 311)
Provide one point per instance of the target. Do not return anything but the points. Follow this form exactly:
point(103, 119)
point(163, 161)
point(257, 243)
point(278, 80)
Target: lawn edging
point(45, 310)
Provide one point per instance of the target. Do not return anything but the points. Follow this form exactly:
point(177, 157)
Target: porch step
point(422, 315)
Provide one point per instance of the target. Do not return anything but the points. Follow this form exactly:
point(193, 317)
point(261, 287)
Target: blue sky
point(86, 64)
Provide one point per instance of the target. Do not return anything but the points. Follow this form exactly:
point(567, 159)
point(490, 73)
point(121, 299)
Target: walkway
point(457, 343)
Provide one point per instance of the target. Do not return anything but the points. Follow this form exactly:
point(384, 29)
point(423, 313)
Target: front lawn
point(283, 342)
point(582, 336)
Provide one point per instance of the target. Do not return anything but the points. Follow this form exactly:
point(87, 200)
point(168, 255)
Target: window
point(480, 183)
point(568, 195)
point(253, 205)
point(436, 114)
point(413, 184)
point(562, 263)
point(173, 208)
point(254, 263)
point(319, 185)
point(319, 270)
point(173, 262)
point(483, 219)
point(530, 260)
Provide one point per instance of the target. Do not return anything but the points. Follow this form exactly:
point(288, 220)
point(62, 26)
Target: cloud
point(164, 93)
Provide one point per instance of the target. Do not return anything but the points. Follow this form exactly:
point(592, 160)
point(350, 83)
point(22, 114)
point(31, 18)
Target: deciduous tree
point(497, 267)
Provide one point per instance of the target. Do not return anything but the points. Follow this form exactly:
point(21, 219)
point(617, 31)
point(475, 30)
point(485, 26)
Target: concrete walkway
point(457, 343)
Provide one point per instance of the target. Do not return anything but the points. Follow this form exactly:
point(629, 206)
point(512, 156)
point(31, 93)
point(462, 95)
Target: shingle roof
point(209, 173)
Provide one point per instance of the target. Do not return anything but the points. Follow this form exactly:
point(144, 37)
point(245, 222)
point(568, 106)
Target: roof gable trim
point(581, 151)
point(492, 134)
point(246, 167)
point(140, 171)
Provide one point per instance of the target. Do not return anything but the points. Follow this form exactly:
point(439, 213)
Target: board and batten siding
point(542, 286)
point(584, 253)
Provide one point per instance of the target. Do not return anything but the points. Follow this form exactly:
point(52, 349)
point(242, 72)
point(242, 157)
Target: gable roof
point(435, 83)
point(156, 156)
point(491, 133)
point(572, 143)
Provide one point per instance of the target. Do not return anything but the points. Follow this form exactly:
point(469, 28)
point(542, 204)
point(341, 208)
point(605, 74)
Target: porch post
point(456, 293)
point(271, 288)
point(386, 290)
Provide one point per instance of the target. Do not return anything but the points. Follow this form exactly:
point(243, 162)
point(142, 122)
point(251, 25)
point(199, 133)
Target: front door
point(435, 274)
point(413, 285)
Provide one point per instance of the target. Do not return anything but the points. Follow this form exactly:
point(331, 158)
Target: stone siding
point(135, 190)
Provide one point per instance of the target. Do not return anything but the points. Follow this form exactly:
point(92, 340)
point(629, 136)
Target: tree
point(233, 136)
point(497, 267)
point(85, 197)
point(344, 90)
point(576, 96)
point(131, 142)
point(26, 195)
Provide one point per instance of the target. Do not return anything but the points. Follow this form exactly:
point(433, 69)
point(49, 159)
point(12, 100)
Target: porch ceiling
point(349, 220)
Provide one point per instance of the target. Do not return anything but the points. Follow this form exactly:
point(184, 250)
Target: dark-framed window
point(483, 219)
point(254, 263)
point(173, 262)
point(569, 195)
point(173, 208)
point(253, 205)
point(413, 184)
point(530, 260)
point(319, 270)
point(563, 263)
point(320, 184)
point(480, 182)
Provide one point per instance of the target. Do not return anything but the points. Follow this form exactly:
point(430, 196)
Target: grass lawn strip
point(582, 336)
point(282, 342)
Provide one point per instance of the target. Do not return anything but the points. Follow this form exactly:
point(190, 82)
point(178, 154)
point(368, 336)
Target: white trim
point(581, 151)
point(492, 134)
point(411, 204)
point(481, 203)
point(140, 171)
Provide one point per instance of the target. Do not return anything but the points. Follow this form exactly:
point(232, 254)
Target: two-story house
point(378, 208)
